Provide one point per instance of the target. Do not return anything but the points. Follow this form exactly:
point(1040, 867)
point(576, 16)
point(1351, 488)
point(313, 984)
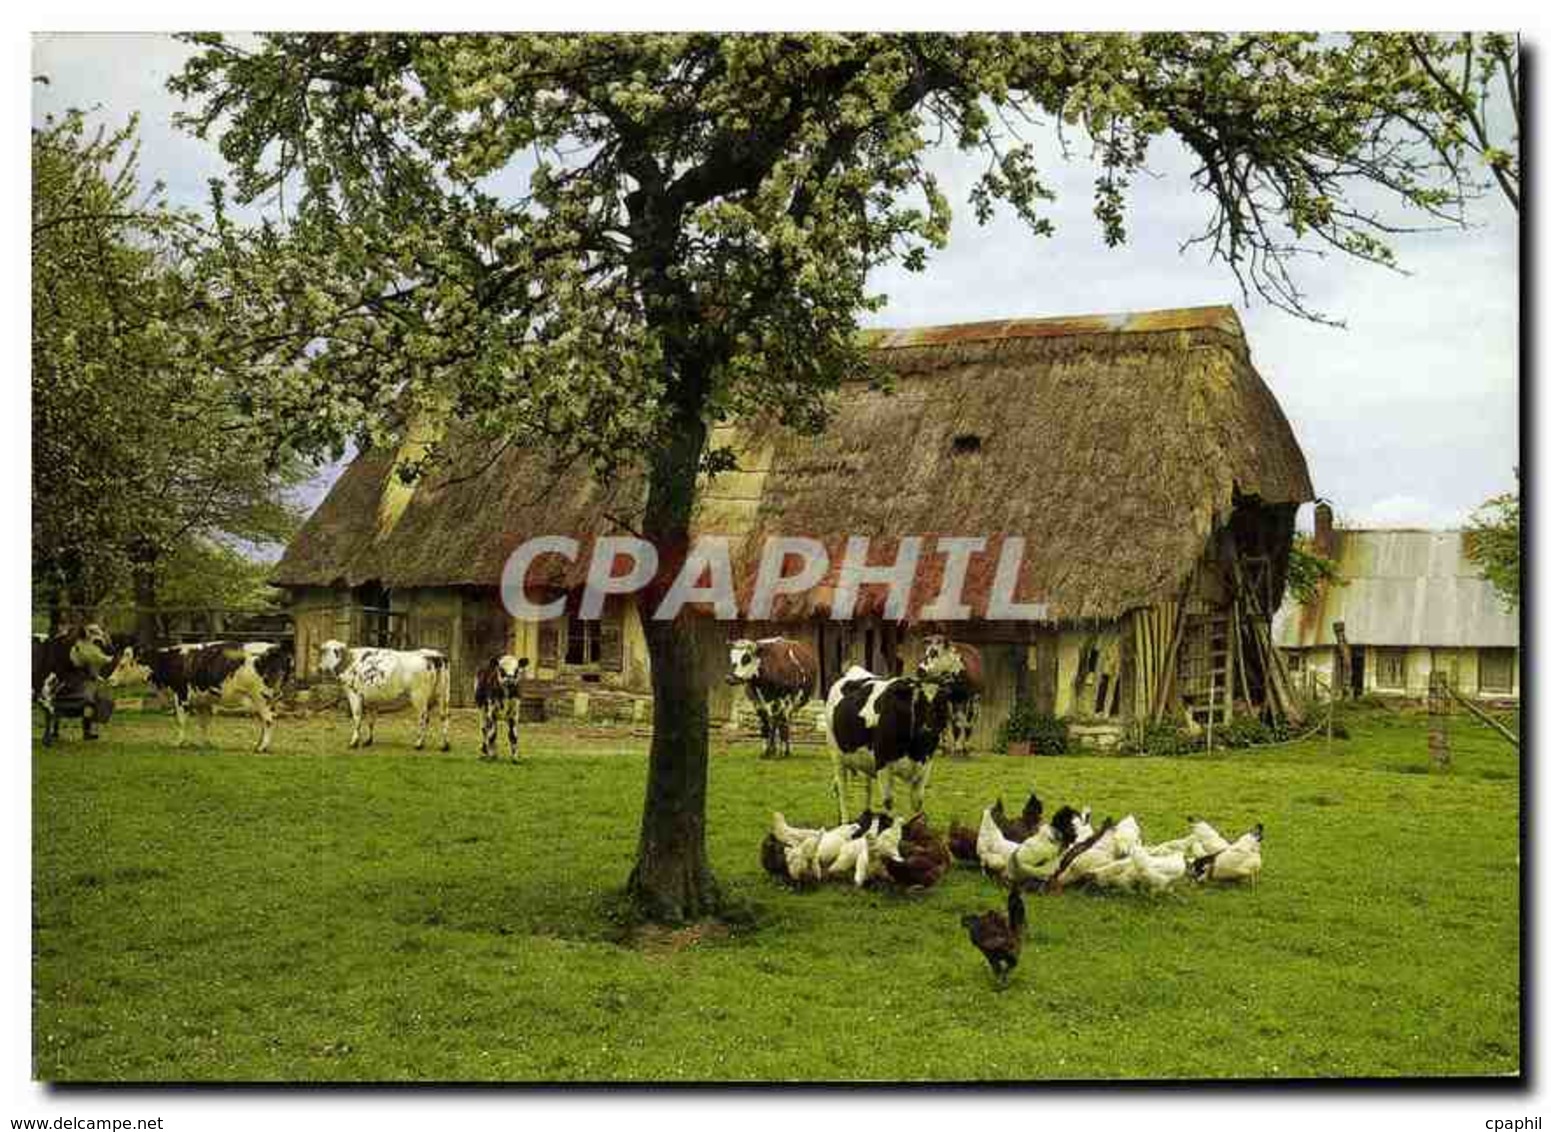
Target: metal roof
point(1403, 587)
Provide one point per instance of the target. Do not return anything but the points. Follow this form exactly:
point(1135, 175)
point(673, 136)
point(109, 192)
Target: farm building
point(1411, 604)
point(1150, 470)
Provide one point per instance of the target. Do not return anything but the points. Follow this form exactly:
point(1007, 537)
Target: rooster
point(961, 842)
point(1026, 824)
point(999, 937)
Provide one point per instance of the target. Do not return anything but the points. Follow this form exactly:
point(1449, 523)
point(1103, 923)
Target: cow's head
point(128, 670)
point(275, 664)
point(744, 657)
point(508, 671)
point(331, 657)
point(939, 660)
point(92, 648)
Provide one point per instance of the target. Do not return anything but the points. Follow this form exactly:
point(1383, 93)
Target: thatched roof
point(1114, 445)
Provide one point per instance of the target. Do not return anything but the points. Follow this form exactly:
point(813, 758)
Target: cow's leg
point(513, 705)
point(205, 713)
point(180, 710)
point(487, 731)
point(444, 694)
point(370, 711)
point(918, 789)
point(421, 699)
point(888, 789)
point(89, 711)
point(266, 714)
point(357, 708)
point(840, 789)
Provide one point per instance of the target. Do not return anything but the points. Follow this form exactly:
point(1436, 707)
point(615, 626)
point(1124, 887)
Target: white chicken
point(802, 860)
point(1128, 835)
point(1239, 861)
point(1207, 840)
point(993, 847)
point(1098, 854)
point(790, 835)
point(1155, 872)
point(1037, 857)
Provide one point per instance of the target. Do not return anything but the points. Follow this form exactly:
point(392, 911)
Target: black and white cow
point(778, 675)
point(65, 672)
point(200, 676)
point(884, 725)
point(498, 696)
point(373, 677)
point(957, 667)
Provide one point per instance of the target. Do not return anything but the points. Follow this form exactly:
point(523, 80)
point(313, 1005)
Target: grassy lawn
point(318, 915)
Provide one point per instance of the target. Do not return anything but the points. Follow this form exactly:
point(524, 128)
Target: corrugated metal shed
point(1402, 588)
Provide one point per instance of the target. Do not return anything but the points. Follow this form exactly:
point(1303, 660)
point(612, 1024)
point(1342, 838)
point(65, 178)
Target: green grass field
point(317, 915)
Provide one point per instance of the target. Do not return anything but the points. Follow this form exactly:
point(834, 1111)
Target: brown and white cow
point(65, 672)
point(498, 696)
point(957, 667)
point(200, 676)
point(778, 675)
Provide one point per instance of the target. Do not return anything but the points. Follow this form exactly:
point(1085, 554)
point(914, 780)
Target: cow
point(375, 676)
point(884, 725)
point(200, 676)
point(957, 667)
point(778, 675)
point(498, 696)
point(66, 668)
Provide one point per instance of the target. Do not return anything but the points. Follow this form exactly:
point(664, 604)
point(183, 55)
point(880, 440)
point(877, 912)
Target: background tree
point(1492, 542)
point(140, 449)
point(605, 244)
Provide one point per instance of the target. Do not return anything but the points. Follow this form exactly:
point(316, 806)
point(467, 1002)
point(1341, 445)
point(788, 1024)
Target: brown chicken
point(999, 937)
point(924, 856)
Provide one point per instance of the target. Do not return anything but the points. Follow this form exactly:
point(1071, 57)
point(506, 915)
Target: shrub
point(1046, 734)
point(1163, 738)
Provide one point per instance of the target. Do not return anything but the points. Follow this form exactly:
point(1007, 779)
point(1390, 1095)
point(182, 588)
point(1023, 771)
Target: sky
point(1408, 416)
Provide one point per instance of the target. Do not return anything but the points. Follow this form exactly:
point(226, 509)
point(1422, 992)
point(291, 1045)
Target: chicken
point(1207, 840)
point(1155, 872)
point(992, 847)
point(1128, 835)
point(790, 835)
point(1239, 861)
point(830, 841)
point(922, 856)
point(1037, 857)
point(1078, 862)
point(1026, 824)
point(855, 858)
point(999, 937)
point(795, 863)
point(961, 842)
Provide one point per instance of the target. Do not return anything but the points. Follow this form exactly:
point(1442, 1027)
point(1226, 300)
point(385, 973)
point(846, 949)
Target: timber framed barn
point(1149, 469)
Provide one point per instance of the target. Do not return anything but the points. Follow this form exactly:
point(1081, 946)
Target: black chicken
point(999, 937)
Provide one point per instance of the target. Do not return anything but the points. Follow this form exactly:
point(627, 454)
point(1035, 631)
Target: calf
point(778, 676)
point(958, 669)
point(884, 725)
point(498, 695)
point(373, 677)
point(65, 672)
point(200, 676)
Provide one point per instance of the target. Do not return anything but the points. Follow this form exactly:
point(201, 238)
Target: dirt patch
point(654, 939)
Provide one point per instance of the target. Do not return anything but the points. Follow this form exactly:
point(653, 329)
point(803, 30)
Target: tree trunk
point(672, 880)
point(143, 571)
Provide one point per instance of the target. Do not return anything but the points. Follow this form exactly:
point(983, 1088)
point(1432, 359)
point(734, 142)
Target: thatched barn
point(1149, 469)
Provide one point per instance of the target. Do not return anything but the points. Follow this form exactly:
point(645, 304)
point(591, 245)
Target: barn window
point(1496, 670)
point(595, 644)
point(1391, 669)
point(966, 444)
point(1294, 661)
